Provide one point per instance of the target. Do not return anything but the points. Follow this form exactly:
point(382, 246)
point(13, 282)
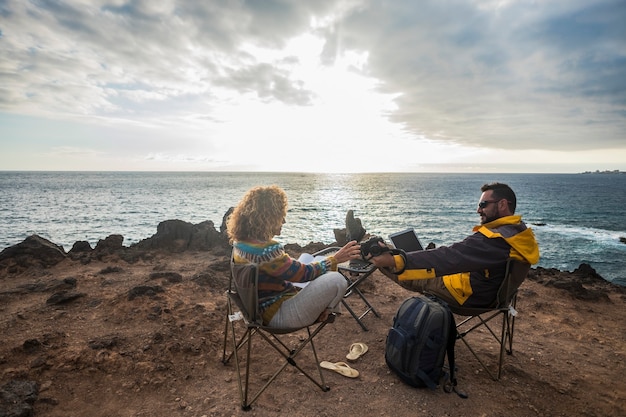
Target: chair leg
point(243, 393)
point(226, 326)
point(230, 319)
point(370, 307)
point(502, 339)
point(321, 383)
point(512, 315)
point(358, 320)
point(509, 351)
point(485, 367)
point(354, 279)
point(290, 358)
point(243, 379)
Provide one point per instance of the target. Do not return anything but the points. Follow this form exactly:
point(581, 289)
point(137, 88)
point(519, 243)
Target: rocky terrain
point(138, 331)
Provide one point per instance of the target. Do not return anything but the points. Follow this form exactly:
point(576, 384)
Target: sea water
point(576, 217)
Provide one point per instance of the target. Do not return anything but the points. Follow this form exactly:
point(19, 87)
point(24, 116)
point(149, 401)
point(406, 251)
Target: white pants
point(326, 291)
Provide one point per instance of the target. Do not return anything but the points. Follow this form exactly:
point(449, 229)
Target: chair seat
point(276, 330)
point(472, 311)
point(479, 317)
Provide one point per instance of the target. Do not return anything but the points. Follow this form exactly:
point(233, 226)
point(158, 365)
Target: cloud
point(267, 83)
point(514, 75)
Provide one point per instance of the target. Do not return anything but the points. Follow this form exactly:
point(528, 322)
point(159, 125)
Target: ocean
point(577, 218)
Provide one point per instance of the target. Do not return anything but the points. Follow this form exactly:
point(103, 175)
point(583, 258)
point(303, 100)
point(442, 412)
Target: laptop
point(406, 240)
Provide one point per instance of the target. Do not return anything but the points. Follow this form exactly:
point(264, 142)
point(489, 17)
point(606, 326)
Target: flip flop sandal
point(341, 368)
point(356, 351)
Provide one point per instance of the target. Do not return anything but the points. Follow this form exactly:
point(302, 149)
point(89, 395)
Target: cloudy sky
point(324, 85)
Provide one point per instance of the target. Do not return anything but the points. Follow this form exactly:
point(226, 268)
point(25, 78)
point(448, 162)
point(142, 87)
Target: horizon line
point(491, 172)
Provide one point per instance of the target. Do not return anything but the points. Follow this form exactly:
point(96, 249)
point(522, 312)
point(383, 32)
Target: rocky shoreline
point(176, 236)
point(133, 317)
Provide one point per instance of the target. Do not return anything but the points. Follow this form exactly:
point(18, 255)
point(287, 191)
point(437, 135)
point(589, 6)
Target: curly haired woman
point(256, 220)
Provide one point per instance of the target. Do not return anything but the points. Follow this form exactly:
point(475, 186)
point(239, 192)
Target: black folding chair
point(504, 305)
point(243, 307)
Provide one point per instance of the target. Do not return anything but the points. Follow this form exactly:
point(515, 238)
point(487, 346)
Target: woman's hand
point(351, 250)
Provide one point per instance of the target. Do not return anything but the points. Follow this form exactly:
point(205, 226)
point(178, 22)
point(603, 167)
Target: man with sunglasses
point(469, 272)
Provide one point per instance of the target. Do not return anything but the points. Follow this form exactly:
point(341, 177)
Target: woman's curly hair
point(258, 215)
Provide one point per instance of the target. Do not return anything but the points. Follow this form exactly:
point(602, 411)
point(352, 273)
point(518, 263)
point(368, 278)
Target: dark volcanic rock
point(144, 290)
point(105, 342)
point(172, 236)
point(223, 227)
point(33, 251)
point(171, 277)
point(110, 270)
point(295, 249)
point(354, 228)
point(178, 236)
point(110, 244)
point(17, 398)
point(80, 247)
point(31, 345)
point(584, 283)
point(64, 297)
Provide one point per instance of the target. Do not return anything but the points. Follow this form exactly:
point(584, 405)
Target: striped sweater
point(277, 270)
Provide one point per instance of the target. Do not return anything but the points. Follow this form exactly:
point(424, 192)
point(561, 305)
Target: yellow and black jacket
point(473, 269)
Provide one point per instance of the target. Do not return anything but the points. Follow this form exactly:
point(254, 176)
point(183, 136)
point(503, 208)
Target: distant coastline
point(597, 171)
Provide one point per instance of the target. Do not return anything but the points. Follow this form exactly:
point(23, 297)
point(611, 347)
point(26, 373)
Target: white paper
point(307, 258)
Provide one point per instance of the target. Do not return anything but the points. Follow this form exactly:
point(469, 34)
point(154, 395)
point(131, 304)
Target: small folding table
point(355, 272)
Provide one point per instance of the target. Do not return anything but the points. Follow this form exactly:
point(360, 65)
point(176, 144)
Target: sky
point(313, 86)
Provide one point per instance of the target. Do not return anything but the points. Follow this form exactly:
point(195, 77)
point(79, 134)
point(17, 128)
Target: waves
point(578, 218)
point(565, 247)
point(594, 236)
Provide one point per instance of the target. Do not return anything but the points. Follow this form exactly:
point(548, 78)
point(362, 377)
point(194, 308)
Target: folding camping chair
point(504, 305)
point(242, 305)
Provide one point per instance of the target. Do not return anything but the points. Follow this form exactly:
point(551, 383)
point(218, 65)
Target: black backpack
point(423, 332)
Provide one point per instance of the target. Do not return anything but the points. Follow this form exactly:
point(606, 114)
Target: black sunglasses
point(485, 203)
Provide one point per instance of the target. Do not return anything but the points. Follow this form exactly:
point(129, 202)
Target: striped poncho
point(277, 270)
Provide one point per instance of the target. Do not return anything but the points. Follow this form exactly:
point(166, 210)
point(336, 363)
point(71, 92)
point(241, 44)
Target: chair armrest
point(327, 251)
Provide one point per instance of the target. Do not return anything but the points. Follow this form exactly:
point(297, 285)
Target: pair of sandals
point(356, 351)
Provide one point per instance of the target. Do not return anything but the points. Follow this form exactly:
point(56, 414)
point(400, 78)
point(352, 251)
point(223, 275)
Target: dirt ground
point(145, 339)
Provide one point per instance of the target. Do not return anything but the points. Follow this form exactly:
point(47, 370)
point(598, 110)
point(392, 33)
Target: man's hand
point(384, 260)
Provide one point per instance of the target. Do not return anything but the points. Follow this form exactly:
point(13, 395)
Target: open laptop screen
point(406, 240)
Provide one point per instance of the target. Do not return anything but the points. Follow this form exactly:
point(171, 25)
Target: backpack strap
point(420, 374)
point(451, 383)
point(423, 376)
point(426, 379)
